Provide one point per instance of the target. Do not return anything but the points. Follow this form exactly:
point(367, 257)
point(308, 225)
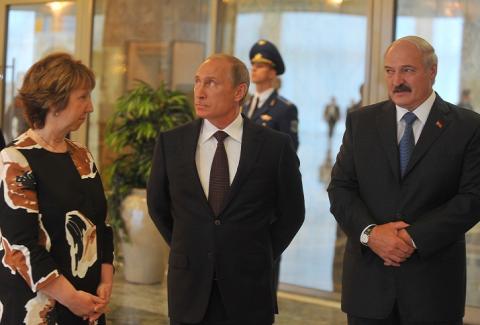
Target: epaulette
point(286, 101)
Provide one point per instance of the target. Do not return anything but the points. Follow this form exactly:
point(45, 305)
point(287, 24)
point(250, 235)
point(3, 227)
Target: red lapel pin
point(439, 124)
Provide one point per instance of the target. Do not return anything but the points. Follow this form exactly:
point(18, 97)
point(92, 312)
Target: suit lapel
point(271, 100)
point(436, 123)
point(387, 128)
point(190, 142)
point(251, 144)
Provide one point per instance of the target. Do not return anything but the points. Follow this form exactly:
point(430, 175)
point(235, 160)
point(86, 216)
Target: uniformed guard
point(267, 107)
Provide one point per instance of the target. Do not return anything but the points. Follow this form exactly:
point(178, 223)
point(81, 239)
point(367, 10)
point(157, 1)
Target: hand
point(104, 291)
point(405, 236)
point(385, 242)
point(98, 311)
point(85, 304)
point(403, 233)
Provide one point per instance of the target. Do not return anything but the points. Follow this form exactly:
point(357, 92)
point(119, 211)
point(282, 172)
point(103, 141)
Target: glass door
point(33, 30)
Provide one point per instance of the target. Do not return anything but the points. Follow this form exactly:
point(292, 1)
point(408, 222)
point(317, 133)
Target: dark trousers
point(365, 321)
point(395, 319)
point(276, 273)
point(216, 313)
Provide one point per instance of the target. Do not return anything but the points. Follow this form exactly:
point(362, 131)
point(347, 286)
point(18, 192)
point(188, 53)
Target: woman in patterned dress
point(56, 251)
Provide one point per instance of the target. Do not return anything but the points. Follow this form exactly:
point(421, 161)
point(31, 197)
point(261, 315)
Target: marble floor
point(134, 304)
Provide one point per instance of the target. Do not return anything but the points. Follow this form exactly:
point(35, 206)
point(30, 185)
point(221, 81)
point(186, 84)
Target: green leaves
point(144, 112)
point(140, 115)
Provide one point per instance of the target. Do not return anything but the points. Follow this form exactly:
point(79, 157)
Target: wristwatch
point(365, 236)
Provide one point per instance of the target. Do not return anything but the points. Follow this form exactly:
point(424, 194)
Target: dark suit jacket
point(2, 140)
point(276, 113)
point(439, 197)
point(263, 212)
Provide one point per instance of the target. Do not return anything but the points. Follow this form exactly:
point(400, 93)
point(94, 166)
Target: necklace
point(58, 148)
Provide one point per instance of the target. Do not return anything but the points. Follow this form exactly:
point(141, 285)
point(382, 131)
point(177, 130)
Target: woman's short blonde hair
point(48, 84)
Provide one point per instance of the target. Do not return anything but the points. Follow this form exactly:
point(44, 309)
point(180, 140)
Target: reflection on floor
point(134, 304)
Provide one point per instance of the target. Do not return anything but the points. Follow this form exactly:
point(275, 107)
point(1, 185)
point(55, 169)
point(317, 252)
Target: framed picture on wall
point(186, 57)
point(149, 62)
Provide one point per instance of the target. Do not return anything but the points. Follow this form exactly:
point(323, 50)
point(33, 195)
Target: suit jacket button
point(217, 222)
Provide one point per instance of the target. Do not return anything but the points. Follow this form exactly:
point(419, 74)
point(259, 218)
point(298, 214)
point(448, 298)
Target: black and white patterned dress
point(52, 222)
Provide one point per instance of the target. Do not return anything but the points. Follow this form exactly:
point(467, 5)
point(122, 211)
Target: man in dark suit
point(226, 194)
point(267, 107)
point(405, 189)
point(2, 140)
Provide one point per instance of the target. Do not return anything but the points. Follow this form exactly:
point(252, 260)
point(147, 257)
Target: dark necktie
point(219, 183)
point(407, 143)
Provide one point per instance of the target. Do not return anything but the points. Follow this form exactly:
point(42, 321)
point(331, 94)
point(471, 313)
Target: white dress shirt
point(261, 97)
point(207, 144)
point(421, 112)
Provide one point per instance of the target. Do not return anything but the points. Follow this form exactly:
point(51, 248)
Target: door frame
point(83, 45)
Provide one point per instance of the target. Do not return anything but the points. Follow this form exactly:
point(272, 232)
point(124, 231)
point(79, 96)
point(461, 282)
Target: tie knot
point(220, 136)
point(409, 118)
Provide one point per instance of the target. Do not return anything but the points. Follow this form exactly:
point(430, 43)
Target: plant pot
point(145, 253)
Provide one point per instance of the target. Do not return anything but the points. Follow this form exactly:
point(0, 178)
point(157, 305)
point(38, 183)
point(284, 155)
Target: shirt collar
point(421, 111)
point(234, 130)
point(263, 96)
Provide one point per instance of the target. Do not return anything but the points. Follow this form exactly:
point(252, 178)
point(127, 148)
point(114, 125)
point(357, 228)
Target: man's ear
point(240, 92)
point(433, 72)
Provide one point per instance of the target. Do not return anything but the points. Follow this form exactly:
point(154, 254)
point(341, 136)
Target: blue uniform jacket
point(278, 114)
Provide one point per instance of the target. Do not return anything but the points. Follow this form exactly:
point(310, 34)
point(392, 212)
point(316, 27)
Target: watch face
point(364, 238)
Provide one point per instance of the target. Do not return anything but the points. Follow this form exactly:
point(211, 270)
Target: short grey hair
point(238, 73)
point(427, 50)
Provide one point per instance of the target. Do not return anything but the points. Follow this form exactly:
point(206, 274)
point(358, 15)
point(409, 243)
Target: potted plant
point(140, 115)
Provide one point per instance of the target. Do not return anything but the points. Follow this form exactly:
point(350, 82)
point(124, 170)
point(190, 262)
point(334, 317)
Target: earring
point(55, 114)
